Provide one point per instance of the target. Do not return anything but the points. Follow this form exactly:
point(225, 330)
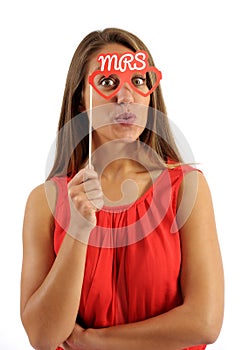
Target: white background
point(198, 47)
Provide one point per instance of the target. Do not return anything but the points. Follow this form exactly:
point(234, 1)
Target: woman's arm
point(51, 286)
point(198, 320)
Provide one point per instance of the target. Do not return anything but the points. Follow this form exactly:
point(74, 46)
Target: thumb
point(89, 166)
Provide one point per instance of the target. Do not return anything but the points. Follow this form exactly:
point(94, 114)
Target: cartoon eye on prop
point(114, 71)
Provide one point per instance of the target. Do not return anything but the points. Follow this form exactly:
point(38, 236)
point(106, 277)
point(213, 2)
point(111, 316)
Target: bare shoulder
point(194, 181)
point(39, 209)
point(194, 197)
point(43, 197)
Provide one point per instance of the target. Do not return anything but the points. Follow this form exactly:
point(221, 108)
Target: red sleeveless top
point(133, 261)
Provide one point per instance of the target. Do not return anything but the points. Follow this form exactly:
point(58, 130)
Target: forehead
point(109, 48)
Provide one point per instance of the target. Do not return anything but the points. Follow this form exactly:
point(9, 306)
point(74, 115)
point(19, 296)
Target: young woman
point(121, 253)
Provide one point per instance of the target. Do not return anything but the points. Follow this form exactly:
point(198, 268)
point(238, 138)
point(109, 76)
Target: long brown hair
point(70, 153)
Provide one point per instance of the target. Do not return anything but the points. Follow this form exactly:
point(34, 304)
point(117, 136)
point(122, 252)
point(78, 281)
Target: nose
point(125, 94)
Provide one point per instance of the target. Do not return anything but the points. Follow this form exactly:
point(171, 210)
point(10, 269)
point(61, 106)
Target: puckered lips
point(126, 118)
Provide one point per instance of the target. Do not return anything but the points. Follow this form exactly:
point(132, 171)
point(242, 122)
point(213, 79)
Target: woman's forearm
point(50, 313)
point(177, 329)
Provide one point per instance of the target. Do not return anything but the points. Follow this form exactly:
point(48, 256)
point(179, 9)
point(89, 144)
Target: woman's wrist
point(79, 233)
point(95, 338)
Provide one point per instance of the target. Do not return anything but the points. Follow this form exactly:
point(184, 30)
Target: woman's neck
point(116, 157)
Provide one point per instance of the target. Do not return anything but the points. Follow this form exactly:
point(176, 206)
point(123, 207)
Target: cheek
point(145, 100)
point(141, 100)
point(97, 100)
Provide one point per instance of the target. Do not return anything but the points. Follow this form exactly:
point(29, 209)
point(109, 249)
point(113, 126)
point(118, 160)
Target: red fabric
point(134, 257)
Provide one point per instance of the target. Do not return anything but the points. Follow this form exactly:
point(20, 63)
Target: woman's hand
point(75, 341)
point(81, 339)
point(85, 198)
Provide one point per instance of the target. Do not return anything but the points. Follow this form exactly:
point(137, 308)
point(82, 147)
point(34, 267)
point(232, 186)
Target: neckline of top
point(123, 207)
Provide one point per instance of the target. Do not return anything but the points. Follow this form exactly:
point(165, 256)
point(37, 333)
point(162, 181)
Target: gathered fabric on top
point(133, 262)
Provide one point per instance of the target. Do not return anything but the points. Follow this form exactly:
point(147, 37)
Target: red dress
point(133, 261)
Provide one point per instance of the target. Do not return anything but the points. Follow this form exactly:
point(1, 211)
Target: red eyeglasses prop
point(131, 67)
